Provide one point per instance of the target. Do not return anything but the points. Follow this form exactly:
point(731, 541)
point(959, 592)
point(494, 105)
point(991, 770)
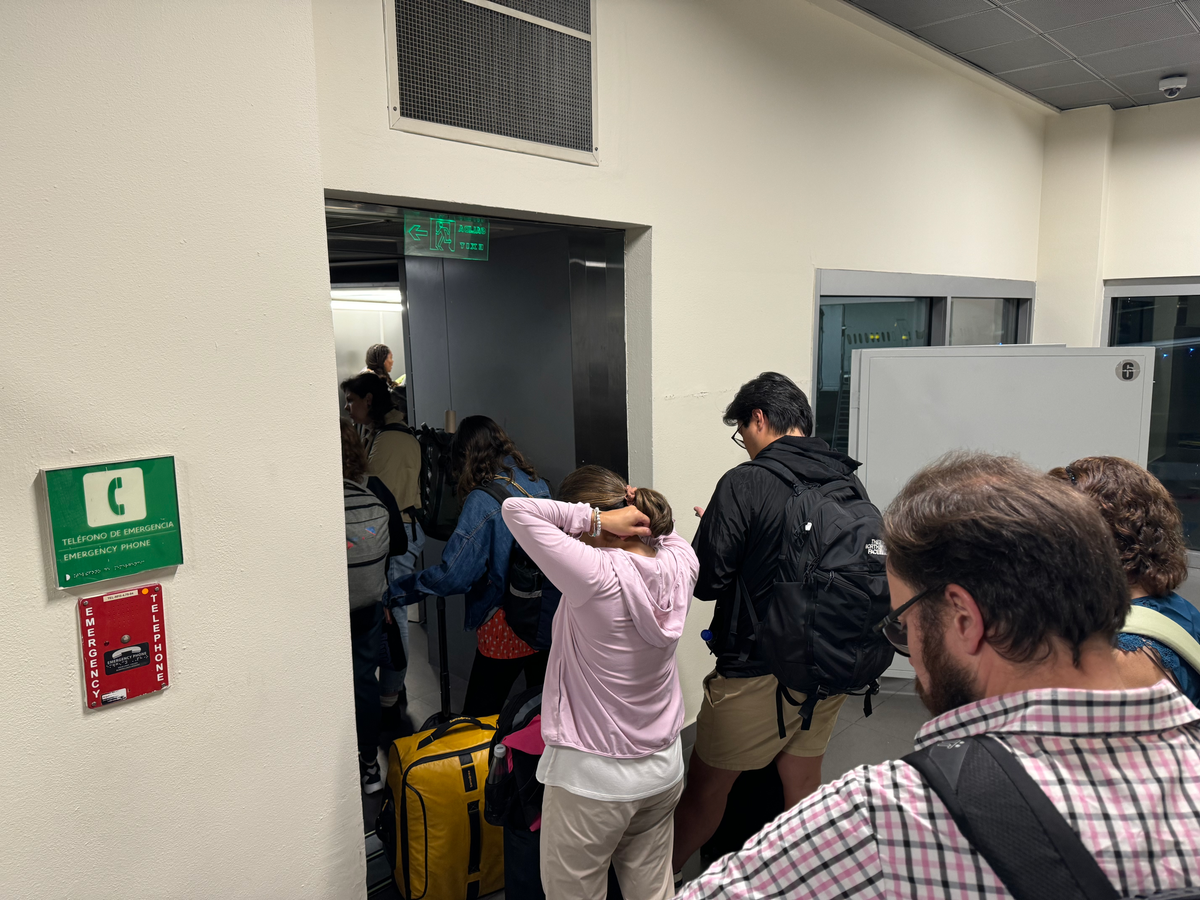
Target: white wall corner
point(639, 342)
point(1072, 227)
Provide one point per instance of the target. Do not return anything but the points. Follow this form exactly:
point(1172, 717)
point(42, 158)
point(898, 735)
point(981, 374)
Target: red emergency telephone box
point(124, 645)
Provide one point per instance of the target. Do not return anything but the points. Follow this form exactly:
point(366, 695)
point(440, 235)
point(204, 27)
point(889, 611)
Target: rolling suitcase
point(431, 824)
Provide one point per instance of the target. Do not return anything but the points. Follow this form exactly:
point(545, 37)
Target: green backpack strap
point(1151, 624)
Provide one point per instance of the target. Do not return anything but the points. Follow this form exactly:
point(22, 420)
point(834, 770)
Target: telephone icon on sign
point(114, 495)
point(117, 654)
point(113, 487)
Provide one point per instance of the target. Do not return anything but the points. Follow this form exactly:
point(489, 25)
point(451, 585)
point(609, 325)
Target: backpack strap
point(1010, 821)
point(789, 478)
point(1152, 624)
point(390, 426)
point(783, 472)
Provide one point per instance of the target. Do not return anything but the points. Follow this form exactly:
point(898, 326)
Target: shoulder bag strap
point(1152, 624)
point(1010, 821)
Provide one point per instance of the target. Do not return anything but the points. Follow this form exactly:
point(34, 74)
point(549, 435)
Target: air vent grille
point(472, 67)
point(574, 14)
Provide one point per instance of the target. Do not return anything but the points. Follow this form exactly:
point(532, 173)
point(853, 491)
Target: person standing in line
point(1007, 593)
point(475, 563)
point(394, 457)
point(367, 540)
point(738, 727)
point(380, 361)
point(1148, 529)
point(612, 708)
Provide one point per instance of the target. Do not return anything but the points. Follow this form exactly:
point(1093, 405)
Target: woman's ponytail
point(657, 509)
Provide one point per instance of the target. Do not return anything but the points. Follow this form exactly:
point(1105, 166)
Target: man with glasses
point(1007, 592)
point(738, 728)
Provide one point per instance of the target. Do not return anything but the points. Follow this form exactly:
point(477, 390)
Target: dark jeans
point(492, 679)
point(366, 641)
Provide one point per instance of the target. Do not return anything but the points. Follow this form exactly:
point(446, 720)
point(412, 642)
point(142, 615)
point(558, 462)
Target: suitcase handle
point(440, 731)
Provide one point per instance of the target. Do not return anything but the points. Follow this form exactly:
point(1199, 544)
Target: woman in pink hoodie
point(611, 708)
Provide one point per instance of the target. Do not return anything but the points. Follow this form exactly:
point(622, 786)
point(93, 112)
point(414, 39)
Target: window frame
point(939, 289)
point(1120, 288)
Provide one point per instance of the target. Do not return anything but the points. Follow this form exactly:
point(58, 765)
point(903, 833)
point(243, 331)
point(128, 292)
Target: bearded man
point(1007, 592)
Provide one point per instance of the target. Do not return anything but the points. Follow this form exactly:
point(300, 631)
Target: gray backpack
point(367, 544)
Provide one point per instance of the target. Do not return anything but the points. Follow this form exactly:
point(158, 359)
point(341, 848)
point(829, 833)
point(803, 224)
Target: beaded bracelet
point(596, 523)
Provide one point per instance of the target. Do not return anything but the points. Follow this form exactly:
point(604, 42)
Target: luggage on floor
point(431, 824)
point(514, 798)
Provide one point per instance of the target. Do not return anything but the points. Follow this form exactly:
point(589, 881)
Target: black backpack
point(527, 613)
point(831, 589)
point(1012, 824)
point(514, 799)
point(439, 510)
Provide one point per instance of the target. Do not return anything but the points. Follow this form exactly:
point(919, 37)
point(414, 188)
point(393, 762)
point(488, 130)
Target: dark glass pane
point(858, 323)
point(1172, 324)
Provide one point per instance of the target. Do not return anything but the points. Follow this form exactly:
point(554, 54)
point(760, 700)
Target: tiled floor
point(857, 740)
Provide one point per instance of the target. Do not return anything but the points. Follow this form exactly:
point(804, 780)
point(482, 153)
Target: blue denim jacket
point(475, 559)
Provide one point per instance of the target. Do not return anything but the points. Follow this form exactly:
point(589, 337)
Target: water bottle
point(706, 635)
point(499, 764)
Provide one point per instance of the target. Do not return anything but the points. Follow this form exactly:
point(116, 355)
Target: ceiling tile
point(1156, 97)
point(1175, 53)
point(912, 14)
point(1194, 6)
point(1053, 75)
point(1147, 83)
point(1125, 31)
point(1017, 55)
point(1048, 15)
point(1076, 95)
point(984, 29)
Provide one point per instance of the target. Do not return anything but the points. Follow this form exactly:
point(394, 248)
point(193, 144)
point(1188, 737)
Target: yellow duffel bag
point(431, 824)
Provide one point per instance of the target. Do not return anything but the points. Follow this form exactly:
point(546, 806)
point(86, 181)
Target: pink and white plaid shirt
point(1122, 766)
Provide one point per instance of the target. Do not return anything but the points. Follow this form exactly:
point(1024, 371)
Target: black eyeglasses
point(736, 437)
point(896, 631)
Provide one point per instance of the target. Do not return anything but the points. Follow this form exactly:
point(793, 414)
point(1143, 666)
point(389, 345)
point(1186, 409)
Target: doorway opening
point(528, 330)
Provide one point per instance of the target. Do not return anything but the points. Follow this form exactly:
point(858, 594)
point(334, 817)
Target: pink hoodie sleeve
point(545, 530)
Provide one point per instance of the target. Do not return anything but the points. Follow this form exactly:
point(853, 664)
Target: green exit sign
point(113, 520)
point(451, 237)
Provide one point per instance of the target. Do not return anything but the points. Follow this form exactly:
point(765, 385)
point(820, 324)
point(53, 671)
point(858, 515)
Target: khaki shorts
point(738, 727)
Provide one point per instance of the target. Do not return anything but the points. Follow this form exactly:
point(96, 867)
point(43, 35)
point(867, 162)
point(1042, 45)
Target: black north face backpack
point(830, 590)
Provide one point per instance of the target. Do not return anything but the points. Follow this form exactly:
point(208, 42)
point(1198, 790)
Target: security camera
point(1172, 85)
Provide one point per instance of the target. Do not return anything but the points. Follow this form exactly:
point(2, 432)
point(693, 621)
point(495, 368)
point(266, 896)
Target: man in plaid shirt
point(1007, 591)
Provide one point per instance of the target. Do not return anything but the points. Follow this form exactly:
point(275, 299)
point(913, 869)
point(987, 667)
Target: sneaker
point(368, 773)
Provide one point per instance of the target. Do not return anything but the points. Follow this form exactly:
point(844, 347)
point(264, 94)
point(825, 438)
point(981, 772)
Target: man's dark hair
point(783, 405)
point(368, 383)
point(1035, 554)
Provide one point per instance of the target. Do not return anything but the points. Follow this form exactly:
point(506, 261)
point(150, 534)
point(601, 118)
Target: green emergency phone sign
point(112, 520)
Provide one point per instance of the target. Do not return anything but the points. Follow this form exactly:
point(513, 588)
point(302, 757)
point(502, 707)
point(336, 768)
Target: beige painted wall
point(1071, 236)
point(1153, 226)
point(165, 292)
point(758, 142)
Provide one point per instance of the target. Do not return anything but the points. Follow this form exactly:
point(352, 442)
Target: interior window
point(856, 323)
point(1172, 324)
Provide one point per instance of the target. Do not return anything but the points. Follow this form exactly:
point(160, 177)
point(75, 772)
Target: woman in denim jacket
point(475, 563)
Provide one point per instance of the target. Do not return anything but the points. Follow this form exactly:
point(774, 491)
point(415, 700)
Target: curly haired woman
point(1148, 530)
